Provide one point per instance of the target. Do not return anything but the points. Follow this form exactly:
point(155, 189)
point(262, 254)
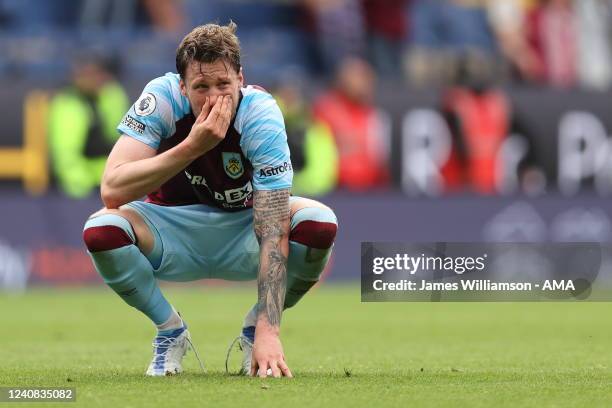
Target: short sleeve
point(264, 142)
point(150, 119)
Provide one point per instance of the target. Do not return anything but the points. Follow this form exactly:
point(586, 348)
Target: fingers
point(259, 369)
point(276, 372)
point(205, 110)
point(276, 369)
point(221, 113)
point(225, 115)
point(214, 110)
point(263, 372)
point(267, 373)
point(285, 369)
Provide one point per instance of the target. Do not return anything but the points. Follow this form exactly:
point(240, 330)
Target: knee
point(314, 227)
point(106, 231)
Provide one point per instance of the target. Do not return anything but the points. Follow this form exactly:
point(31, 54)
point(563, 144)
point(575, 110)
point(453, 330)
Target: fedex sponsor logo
point(239, 194)
point(273, 171)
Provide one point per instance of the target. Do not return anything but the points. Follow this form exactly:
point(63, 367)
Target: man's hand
point(211, 125)
point(268, 355)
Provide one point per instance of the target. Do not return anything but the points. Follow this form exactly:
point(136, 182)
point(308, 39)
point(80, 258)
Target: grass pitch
point(342, 352)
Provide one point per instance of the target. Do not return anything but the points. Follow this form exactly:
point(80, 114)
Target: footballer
point(210, 154)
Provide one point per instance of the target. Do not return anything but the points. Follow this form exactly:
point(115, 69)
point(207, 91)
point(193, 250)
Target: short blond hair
point(209, 43)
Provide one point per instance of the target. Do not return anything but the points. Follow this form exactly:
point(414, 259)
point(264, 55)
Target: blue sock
point(249, 333)
point(172, 332)
point(111, 243)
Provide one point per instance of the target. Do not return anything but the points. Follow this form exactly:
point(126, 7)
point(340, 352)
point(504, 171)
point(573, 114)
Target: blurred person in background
point(552, 32)
point(339, 30)
point(82, 124)
point(594, 43)
point(36, 15)
point(561, 43)
point(163, 16)
point(358, 127)
point(387, 27)
point(444, 33)
point(479, 118)
point(508, 20)
point(492, 152)
point(314, 155)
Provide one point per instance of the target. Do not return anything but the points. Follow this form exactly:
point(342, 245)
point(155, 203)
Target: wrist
point(190, 150)
point(264, 328)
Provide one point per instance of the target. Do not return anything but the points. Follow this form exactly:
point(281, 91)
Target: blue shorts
point(202, 242)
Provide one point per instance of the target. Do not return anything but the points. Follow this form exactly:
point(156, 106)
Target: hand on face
point(213, 91)
point(212, 123)
point(211, 81)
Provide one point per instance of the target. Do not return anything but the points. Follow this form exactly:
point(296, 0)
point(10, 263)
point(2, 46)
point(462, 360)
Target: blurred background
point(416, 120)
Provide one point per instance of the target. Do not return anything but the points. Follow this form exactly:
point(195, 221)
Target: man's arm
point(133, 169)
point(271, 222)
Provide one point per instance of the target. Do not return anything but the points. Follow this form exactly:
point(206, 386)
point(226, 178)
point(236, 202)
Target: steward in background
point(314, 155)
point(82, 125)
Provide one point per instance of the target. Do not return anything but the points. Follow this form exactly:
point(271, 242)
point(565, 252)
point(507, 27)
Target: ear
point(241, 78)
point(183, 87)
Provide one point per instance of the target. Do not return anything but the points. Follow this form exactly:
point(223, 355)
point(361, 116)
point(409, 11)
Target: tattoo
point(271, 222)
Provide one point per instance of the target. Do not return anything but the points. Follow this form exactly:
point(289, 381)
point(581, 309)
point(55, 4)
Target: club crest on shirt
point(145, 105)
point(232, 164)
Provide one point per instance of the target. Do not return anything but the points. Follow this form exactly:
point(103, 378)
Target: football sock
point(111, 241)
point(249, 332)
point(174, 322)
point(161, 336)
point(313, 230)
point(251, 317)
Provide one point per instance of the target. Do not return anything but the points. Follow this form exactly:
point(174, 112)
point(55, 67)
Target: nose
point(214, 97)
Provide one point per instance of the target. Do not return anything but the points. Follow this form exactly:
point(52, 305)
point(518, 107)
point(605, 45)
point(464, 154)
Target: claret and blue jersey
point(253, 156)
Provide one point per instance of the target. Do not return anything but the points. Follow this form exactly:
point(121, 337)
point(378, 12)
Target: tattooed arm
point(271, 221)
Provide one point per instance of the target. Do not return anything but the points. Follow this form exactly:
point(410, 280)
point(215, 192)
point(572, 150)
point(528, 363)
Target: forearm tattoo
point(271, 221)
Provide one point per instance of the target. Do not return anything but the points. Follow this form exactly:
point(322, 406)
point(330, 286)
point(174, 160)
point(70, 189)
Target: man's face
point(89, 77)
point(212, 80)
point(356, 80)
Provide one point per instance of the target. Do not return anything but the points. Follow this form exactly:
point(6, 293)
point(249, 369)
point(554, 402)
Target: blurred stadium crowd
point(561, 43)
point(339, 68)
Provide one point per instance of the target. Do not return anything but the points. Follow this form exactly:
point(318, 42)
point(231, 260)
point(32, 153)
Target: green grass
point(342, 352)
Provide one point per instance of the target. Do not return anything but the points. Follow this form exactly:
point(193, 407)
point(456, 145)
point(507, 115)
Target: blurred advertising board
point(40, 239)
